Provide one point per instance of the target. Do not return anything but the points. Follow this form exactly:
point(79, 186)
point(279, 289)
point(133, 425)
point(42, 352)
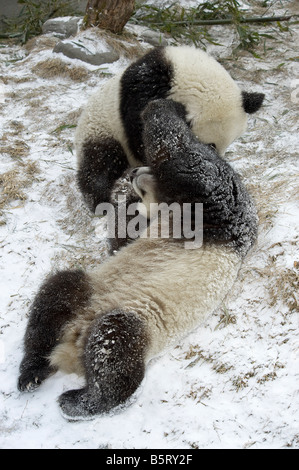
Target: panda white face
point(216, 108)
point(221, 133)
point(145, 186)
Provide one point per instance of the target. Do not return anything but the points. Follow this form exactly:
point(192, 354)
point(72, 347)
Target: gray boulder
point(74, 51)
point(62, 27)
point(153, 37)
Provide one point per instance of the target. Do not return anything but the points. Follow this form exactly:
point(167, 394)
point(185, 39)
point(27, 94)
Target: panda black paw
point(33, 371)
point(31, 379)
point(162, 106)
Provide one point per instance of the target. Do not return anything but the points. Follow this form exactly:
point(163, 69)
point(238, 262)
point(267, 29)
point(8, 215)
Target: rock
point(62, 27)
point(74, 51)
point(153, 37)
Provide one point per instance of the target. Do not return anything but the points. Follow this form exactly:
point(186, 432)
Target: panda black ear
point(252, 101)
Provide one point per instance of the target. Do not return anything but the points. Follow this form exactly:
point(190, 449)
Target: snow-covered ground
point(232, 383)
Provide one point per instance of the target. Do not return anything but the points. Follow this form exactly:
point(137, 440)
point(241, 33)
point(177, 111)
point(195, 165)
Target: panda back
point(101, 119)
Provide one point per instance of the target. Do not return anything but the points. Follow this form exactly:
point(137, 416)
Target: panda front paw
point(161, 107)
point(30, 380)
point(33, 371)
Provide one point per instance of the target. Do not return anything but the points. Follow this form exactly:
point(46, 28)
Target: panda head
point(225, 126)
point(216, 108)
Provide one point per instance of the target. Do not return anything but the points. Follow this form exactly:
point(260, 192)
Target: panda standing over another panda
point(108, 138)
point(108, 323)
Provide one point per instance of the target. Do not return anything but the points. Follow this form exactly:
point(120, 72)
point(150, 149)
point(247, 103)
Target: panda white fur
point(108, 323)
point(108, 138)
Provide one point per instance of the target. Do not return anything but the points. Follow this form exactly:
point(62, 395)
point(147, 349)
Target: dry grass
point(17, 127)
point(241, 381)
point(195, 354)
point(225, 318)
point(284, 287)
point(282, 282)
point(269, 193)
point(11, 187)
point(40, 43)
point(199, 394)
point(18, 80)
point(16, 150)
point(57, 68)
point(13, 183)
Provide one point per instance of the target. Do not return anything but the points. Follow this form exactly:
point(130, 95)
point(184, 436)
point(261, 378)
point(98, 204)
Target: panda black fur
point(108, 323)
point(109, 134)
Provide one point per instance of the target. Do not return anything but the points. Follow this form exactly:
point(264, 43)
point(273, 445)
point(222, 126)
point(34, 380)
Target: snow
point(232, 383)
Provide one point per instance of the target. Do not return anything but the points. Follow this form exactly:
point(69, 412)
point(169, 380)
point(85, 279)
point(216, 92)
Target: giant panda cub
point(108, 323)
point(108, 138)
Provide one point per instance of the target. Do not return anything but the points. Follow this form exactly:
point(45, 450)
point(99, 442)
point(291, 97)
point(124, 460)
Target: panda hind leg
point(103, 162)
point(114, 364)
point(55, 304)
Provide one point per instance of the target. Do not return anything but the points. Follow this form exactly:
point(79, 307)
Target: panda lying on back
point(109, 134)
point(108, 323)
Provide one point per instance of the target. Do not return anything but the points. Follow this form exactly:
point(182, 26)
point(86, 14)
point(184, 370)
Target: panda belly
point(189, 287)
point(170, 288)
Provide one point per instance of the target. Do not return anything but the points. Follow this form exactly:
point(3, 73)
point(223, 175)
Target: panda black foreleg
point(103, 161)
point(114, 364)
point(55, 304)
